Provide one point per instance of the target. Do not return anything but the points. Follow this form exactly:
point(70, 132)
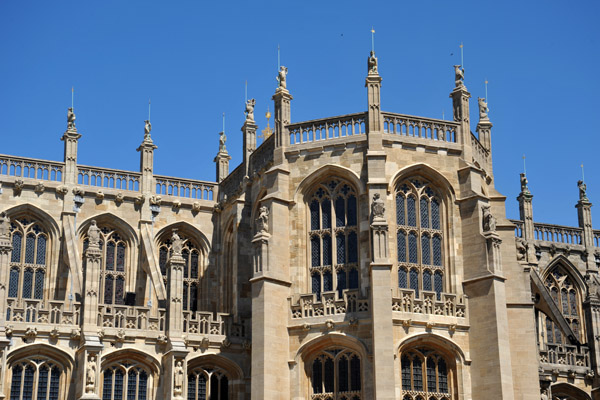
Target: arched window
point(114, 265)
point(419, 237)
point(565, 295)
point(425, 373)
point(192, 270)
point(336, 374)
point(208, 384)
point(125, 380)
point(36, 378)
point(28, 260)
point(333, 238)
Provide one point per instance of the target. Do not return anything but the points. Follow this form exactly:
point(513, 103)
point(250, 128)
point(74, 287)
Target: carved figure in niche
point(262, 222)
point(521, 249)
point(282, 77)
point(483, 108)
point(544, 395)
point(222, 140)
point(457, 111)
point(178, 377)
point(250, 109)
point(93, 234)
point(524, 188)
point(70, 119)
point(377, 207)
point(459, 75)
point(489, 221)
point(4, 226)
point(372, 63)
point(90, 375)
point(147, 129)
point(593, 283)
point(176, 243)
point(582, 189)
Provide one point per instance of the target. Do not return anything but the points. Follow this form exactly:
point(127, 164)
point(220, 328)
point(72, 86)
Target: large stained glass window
point(207, 384)
point(336, 374)
point(35, 378)
point(125, 381)
point(425, 375)
point(565, 295)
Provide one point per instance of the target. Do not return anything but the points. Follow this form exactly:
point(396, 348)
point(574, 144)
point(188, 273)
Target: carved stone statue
point(262, 222)
point(582, 189)
point(176, 243)
point(372, 63)
point(489, 221)
point(222, 140)
point(524, 188)
point(250, 109)
point(459, 75)
point(483, 108)
point(282, 77)
point(544, 395)
point(90, 375)
point(521, 249)
point(147, 129)
point(178, 378)
point(70, 119)
point(593, 283)
point(4, 226)
point(93, 235)
point(377, 207)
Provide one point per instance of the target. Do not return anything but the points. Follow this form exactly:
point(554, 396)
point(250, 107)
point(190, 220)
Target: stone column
point(484, 130)
point(283, 116)
point(249, 130)
point(147, 187)
point(526, 215)
point(374, 125)
point(460, 104)
point(584, 217)
point(5, 252)
point(70, 137)
point(222, 163)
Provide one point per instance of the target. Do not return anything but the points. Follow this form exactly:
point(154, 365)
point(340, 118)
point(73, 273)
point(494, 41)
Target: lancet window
point(566, 296)
point(35, 379)
point(419, 237)
point(208, 383)
point(125, 381)
point(336, 374)
point(425, 375)
point(333, 238)
point(193, 261)
point(114, 265)
point(28, 260)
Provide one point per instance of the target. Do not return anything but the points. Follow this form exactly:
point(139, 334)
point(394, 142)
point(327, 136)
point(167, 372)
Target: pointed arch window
point(208, 383)
point(565, 294)
point(126, 380)
point(333, 238)
point(336, 374)
point(36, 378)
point(193, 268)
point(28, 260)
point(425, 372)
point(419, 237)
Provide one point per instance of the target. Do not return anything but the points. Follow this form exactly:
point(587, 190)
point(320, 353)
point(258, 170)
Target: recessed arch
point(120, 224)
point(53, 352)
point(325, 171)
point(569, 268)
point(43, 218)
point(445, 345)
point(440, 181)
point(120, 355)
point(229, 366)
point(328, 340)
point(188, 229)
point(567, 389)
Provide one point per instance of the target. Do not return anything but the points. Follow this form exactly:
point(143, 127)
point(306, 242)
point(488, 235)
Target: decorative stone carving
point(30, 333)
point(592, 281)
point(147, 130)
point(176, 243)
point(262, 222)
point(377, 207)
point(77, 191)
point(459, 75)
point(250, 109)
point(4, 226)
point(39, 188)
point(120, 337)
point(178, 379)
point(483, 108)
point(54, 333)
point(62, 189)
point(140, 199)
point(75, 333)
point(8, 331)
point(18, 186)
point(196, 206)
point(372, 64)
point(282, 77)
point(71, 120)
point(119, 198)
point(162, 339)
point(176, 204)
point(329, 324)
point(544, 395)
point(524, 187)
point(521, 249)
point(90, 374)
point(155, 200)
point(100, 195)
point(582, 191)
point(222, 141)
point(226, 343)
point(489, 221)
point(93, 234)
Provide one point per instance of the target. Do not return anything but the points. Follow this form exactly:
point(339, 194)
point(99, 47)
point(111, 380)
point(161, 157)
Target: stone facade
point(366, 256)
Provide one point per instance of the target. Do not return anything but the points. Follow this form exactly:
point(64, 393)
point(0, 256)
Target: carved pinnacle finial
point(459, 76)
point(582, 191)
point(372, 64)
point(483, 109)
point(250, 109)
point(524, 187)
point(147, 130)
point(71, 120)
point(282, 77)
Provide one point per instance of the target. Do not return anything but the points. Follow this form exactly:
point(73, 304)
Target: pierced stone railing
point(188, 188)
point(419, 127)
point(32, 311)
point(204, 323)
point(232, 183)
point(262, 156)
point(108, 178)
point(565, 355)
point(327, 128)
point(480, 154)
point(518, 227)
point(448, 304)
point(131, 317)
point(308, 306)
point(32, 168)
point(597, 238)
point(557, 233)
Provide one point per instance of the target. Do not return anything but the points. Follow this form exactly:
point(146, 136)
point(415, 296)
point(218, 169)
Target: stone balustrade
point(108, 178)
point(447, 304)
point(480, 154)
point(31, 311)
point(327, 128)
point(131, 317)
point(565, 355)
point(309, 306)
point(419, 127)
point(186, 188)
point(262, 156)
point(597, 238)
point(555, 233)
point(31, 168)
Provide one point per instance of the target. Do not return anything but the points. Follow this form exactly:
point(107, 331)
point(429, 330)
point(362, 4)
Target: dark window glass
point(343, 374)
point(426, 280)
point(435, 214)
point(314, 215)
point(27, 283)
point(54, 382)
point(194, 265)
point(355, 383)
point(340, 240)
point(573, 302)
point(565, 302)
point(326, 210)
point(401, 246)
point(424, 205)
point(412, 248)
point(120, 290)
point(29, 248)
point(326, 250)
point(406, 382)
point(13, 286)
point(411, 211)
point(438, 284)
point(329, 376)
point(202, 387)
point(163, 255)
point(108, 289)
point(121, 257)
point(353, 279)
point(224, 395)
point(417, 374)
point(437, 250)
point(352, 248)
point(41, 250)
point(316, 284)
point(317, 376)
point(414, 281)
point(192, 387)
point(185, 295)
point(15, 387)
point(143, 386)
point(17, 240)
point(118, 385)
point(194, 297)
point(403, 278)
point(315, 246)
point(39, 284)
point(28, 383)
point(214, 387)
point(341, 282)
point(425, 250)
point(352, 217)
point(131, 384)
point(442, 376)
point(400, 218)
point(431, 375)
point(107, 386)
point(110, 256)
point(43, 382)
point(340, 212)
point(327, 281)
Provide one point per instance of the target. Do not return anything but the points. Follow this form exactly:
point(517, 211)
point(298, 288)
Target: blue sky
point(192, 58)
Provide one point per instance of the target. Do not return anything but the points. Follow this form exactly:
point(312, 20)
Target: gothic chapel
point(357, 257)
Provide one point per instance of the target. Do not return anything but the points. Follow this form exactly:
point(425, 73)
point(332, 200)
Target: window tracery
point(333, 238)
point(425, 375)
point(35, 378)
point(336, 374)
point(566, 296)
point(28, 261)
point(208, 383)
point(419, 237)
point(125, 380)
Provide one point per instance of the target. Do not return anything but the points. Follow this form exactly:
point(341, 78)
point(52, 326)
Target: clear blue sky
point(192, 58)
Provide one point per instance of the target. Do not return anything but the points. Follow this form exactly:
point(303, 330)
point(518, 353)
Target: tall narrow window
point(28, 259)
point(565, 295)
point(125, 380)
point(37, 377)
point(336, 373)
point(207, 384)
point(425, 371)
point(333, 238)
point(419, 237)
